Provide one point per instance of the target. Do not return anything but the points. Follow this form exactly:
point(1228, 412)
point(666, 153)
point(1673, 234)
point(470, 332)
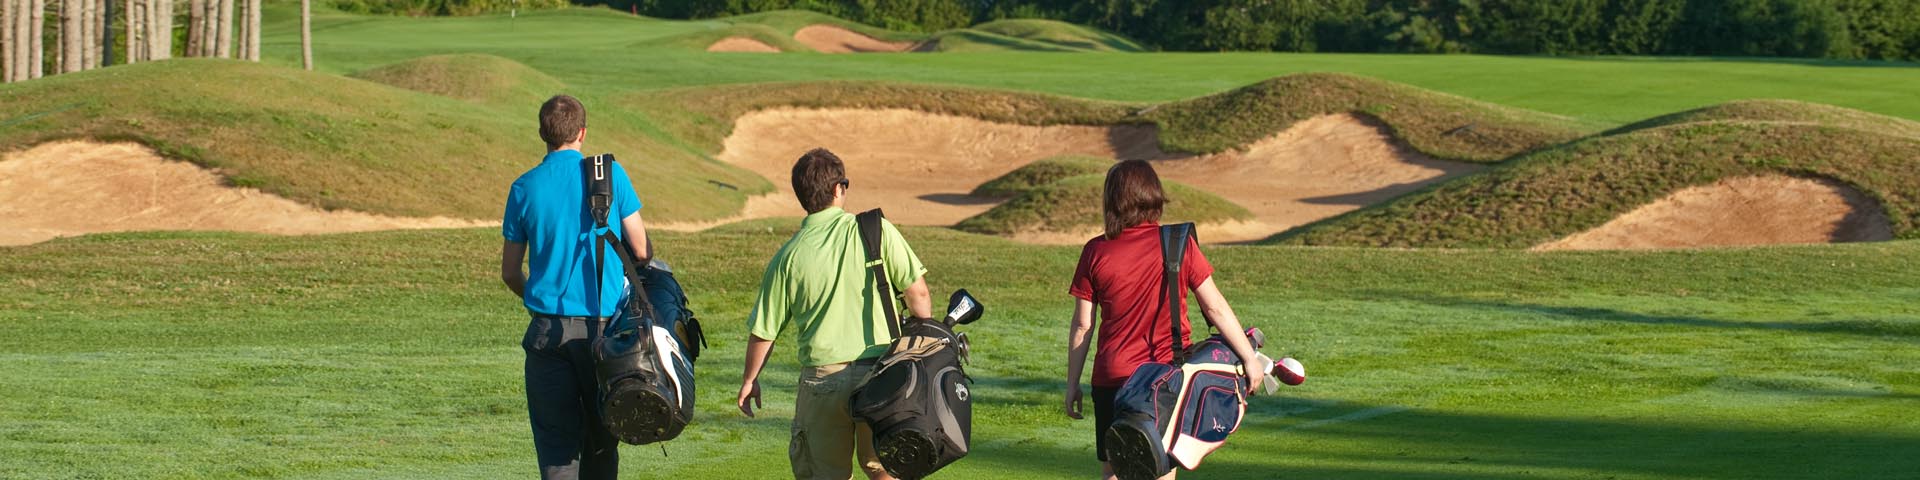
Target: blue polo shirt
point(547, 211)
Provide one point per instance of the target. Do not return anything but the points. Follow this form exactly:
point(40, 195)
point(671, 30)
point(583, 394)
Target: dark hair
point(814, 176)
point(1133, 196)
point(561, 120)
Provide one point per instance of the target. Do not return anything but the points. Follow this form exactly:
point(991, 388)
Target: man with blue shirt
point(547, 217)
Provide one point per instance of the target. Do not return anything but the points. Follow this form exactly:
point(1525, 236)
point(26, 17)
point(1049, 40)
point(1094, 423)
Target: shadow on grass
point(1423, 444)
point(1907, 329)
point(1806, 62)
point(960, 199)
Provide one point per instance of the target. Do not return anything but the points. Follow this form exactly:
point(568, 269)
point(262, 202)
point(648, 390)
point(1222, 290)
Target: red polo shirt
point(1122, 276)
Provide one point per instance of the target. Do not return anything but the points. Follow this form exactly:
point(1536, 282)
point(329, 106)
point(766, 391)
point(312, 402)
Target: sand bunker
point(73, 188)
point(1764, 210)
point(742, 44)
point(920, 166)
point(832, 39)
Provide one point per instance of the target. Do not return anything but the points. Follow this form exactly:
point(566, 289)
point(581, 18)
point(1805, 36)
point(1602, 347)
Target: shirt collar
point(823, 216)
point(568, 155)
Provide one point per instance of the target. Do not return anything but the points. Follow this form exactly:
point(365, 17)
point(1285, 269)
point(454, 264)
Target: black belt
point(565, 317)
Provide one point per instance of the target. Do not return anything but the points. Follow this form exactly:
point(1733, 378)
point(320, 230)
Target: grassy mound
point(1042, 172)
point(1073, 205)
point(1783, 111)
point(337, 142)
point(471, 77)
point(1443, 126)
point(1572, 188)
point(786, 22)
point(1060, 34)
point(970, 41)
point(1440, 125)
point(700, 40)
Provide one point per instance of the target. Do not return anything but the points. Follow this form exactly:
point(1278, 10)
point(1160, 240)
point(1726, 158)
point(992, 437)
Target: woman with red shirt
point(1120, 272)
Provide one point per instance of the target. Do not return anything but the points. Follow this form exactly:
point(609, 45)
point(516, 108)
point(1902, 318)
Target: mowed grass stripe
point(206, 355)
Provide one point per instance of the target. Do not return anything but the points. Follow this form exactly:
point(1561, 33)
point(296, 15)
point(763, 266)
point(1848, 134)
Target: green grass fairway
point(393, 355)
point(591, 49)
point(180, 355)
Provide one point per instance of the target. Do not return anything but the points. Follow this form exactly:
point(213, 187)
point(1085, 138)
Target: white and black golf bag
point(644, 358)
point(917, 398)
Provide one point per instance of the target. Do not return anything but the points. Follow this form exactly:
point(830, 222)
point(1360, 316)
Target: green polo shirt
point(818, 283)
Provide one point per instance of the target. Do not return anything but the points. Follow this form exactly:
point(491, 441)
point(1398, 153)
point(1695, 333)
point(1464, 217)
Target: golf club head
point(962, 308)
point(1257, 338)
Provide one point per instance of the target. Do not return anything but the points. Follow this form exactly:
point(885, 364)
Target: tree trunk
point(89, 35)
point(223, 34)
point(69, 36)
point(208, 35)
point(6, 41)
point(306, 34)
point(240, 30)
point(195, 10)
point(106, 33)
point(132, 11)
point(37, 65)
point(253, 30)
point(160, 42)
point(15, 19)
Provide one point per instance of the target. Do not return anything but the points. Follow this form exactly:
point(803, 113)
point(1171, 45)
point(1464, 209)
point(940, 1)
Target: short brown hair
point(814, 176)
point(561, 120)
point(1133, 196)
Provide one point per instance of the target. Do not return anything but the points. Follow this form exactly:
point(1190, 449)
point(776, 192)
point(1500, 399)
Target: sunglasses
point(844, 183)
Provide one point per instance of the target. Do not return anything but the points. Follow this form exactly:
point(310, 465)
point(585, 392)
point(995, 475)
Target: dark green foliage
point(442, 7)
point(1846, 29)
point(903, 15)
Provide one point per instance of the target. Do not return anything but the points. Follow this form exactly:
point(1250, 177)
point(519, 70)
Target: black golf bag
point(644, 358)
point(1177, 412)
point(916, 399)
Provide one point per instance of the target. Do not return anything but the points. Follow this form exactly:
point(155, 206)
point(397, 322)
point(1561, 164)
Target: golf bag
point(1177, 412)
point(644, 358)
point(916, 398)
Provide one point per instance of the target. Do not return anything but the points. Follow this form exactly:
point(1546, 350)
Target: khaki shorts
point(825, 435)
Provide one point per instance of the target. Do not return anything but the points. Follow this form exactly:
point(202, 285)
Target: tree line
point(149, 30)
point(1841, 29)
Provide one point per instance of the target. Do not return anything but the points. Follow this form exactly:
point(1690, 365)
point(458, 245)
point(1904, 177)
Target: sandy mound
point(73, 188)
point(1765, 210)
point(920, 166)
point(832, 39)
point(742, 44)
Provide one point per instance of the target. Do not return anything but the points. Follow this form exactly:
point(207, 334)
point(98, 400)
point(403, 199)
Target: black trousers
point(562, 399)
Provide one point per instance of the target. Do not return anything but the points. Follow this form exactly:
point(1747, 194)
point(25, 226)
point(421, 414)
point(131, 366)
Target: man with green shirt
point(818, 283)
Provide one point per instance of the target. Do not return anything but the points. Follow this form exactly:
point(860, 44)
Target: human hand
point(1073, 402)
point(1255, 377)
point(749, 397)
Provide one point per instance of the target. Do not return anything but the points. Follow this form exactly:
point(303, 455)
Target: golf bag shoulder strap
point(1173, 253)
point(870, 239)
point(599, 176)
point(599, 171)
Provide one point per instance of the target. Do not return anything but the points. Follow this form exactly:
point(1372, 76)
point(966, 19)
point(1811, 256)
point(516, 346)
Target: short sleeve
point(625, 201)
point(1082, 287)
point(770, 308)
point(510, 221)
point(1194, 266)
point(903, 267)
